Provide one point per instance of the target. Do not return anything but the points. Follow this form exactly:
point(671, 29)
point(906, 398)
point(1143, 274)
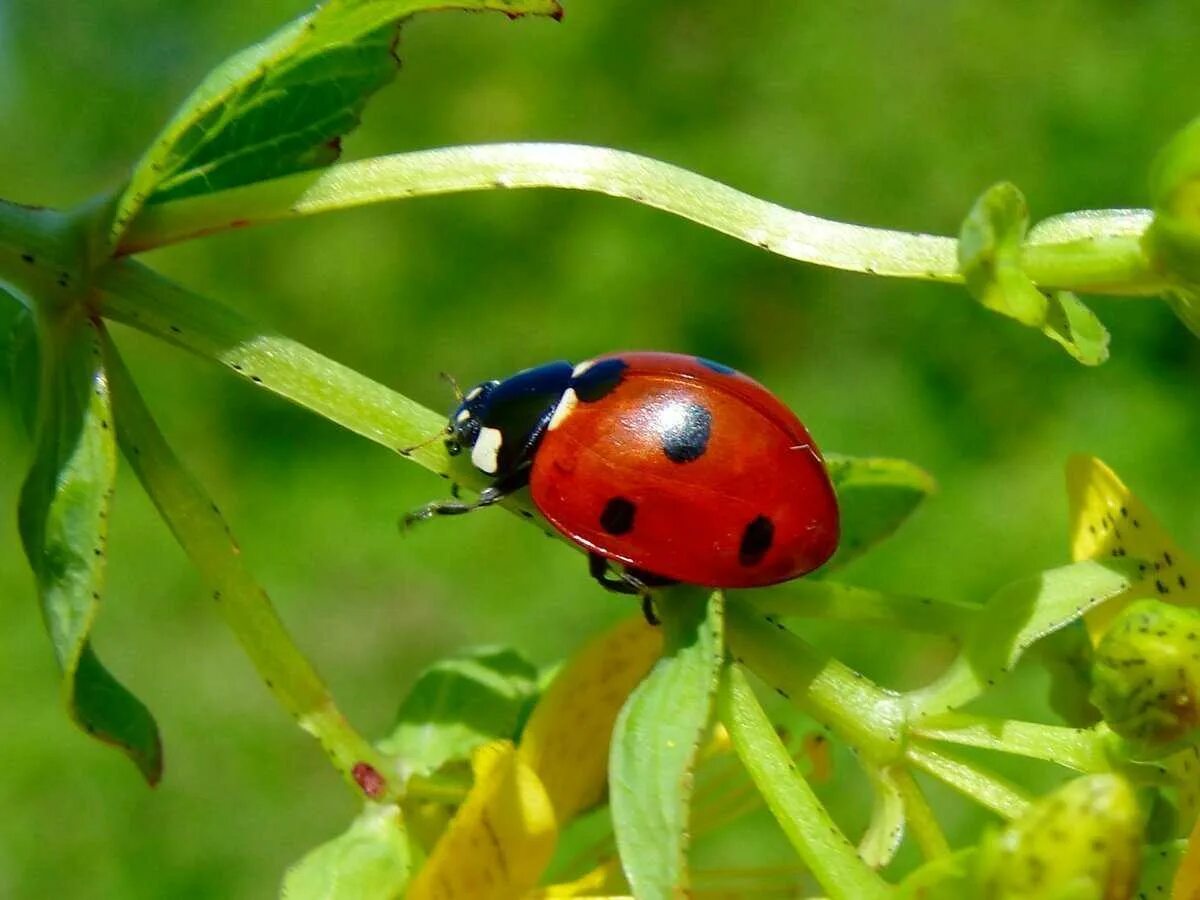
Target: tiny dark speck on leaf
point(256, 379)
point(175, 329)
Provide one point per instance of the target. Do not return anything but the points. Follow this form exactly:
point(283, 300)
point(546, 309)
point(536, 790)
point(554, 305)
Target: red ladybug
point(677, 468)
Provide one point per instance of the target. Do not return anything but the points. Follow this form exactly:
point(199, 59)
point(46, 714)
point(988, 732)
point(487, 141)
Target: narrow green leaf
point(1075, 328)
point(1012, 620)
point(655, 743)
point(201, 531)
point(1174, 237)
point(817, 838)
point(64, 527)
point(969, 779)
point(368, 861)
point(875, 497)
point(459, 703)
point(282, 106)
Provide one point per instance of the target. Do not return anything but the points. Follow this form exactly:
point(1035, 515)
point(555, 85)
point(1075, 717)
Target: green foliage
point(64, 512)
point(459, 703)
point(370, 859)
point(255, 143)
point(656, 741)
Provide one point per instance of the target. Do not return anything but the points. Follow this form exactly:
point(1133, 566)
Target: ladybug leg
point(624, 583)
point(487, 497)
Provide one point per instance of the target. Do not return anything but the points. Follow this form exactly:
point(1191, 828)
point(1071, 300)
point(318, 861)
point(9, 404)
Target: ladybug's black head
point(467, 418)
point(501, 422)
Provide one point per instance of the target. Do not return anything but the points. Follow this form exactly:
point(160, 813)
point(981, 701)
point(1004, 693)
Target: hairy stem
point(1076, 748)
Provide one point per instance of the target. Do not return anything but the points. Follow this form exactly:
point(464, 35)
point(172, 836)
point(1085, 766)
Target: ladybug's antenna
point(453, 382)
point(407, 451)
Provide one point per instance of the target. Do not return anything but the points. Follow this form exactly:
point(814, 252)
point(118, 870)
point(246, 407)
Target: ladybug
point(677, 468)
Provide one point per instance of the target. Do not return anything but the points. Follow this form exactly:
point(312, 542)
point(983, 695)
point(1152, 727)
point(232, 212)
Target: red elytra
point(687, 470)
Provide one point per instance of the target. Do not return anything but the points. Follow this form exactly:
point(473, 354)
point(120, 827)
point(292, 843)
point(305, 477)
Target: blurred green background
point(894, 114)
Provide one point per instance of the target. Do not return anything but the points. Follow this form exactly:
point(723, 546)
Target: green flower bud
point(1081, 842)
point(1146, 676)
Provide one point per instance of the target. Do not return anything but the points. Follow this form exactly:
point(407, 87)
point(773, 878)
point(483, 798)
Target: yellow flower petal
point(500, 839)
point(1108, 520)
point(597, 884)
point(566, 739)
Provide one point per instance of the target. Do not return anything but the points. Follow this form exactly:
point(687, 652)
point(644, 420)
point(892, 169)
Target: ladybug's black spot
point(686, 438)
point(756, 541)
point(599, 379)
point(719, 368)
point(617, 517)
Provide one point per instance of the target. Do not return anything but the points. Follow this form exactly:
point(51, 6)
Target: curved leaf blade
point(654, 748)
point(875, 497)
point(460, 703)
point(371, 860)
point(63, 520)
point(282, 106)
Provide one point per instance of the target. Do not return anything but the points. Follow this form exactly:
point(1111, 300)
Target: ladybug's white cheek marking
point(462, 416)
point(486, 450)
point(474, 392)
point(566, 403)
point(582, 367)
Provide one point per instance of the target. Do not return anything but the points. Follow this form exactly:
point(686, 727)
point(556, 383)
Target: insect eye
point(453, 447)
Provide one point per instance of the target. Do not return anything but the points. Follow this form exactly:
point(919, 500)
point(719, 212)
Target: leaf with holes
point(459, 703)
point(371, 860)
point(875, 497)
point(282, 106)
point(654, 747)
point(64, 527)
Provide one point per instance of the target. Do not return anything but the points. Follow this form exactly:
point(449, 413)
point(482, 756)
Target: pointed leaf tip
point(63, 520)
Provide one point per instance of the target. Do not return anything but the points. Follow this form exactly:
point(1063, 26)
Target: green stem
point(1074, 748)
point(570, 166)
point(135, 295)
point(1097, 265)
point(919, 815)
point(816, 837)
point(851, 705)
point(1104, 256)
point(973, 781)
point(201, 531)
point(812, 599)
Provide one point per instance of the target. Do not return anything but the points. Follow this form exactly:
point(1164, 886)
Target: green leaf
point(1075, 328)
point(1174, 237)
point(655, 743)
point(989, 255)
point(817, 838)
point(63, 521)
point(460, 703)
point(1015, 618)
point(282, 106)
point(20, 363)
point(990, 248)
point(875, 497)
point(368, 861)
